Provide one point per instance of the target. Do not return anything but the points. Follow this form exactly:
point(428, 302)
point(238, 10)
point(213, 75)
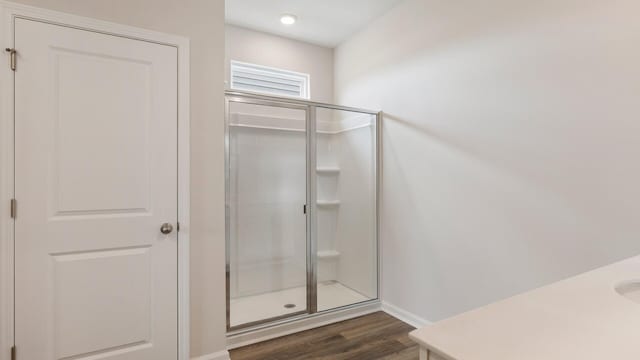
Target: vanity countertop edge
point(582, 317)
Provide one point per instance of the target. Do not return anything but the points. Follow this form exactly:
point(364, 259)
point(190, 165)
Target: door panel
point(267, 221)
point(93, 137)
point(96, 176)
point(125, 321)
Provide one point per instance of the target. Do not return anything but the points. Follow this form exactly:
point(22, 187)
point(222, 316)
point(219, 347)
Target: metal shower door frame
point(310, 109)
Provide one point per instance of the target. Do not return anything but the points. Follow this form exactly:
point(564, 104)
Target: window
point(268, 80)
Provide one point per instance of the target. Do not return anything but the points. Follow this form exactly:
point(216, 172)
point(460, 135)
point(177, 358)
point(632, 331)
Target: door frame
point(10, 11)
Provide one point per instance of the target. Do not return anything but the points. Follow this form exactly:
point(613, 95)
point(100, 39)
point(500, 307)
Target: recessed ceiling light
point(288, 19)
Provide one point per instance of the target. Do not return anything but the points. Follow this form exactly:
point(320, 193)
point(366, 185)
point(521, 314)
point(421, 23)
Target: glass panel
point(267, 225)
point(346, 208)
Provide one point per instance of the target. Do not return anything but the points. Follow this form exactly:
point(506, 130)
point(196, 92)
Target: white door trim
point(10, 11)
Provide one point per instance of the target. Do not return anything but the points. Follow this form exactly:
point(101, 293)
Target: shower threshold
point(274, 304)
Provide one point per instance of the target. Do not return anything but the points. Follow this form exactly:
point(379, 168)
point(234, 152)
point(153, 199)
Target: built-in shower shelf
point(278, 123)
point(328, 254)
point(328, 203)
point(328, 170)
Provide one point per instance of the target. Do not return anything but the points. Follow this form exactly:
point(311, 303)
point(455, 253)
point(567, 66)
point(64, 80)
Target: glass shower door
point(266, 210)
point(346, 210)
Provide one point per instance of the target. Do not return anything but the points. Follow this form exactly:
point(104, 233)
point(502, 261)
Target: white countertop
point(581, 318)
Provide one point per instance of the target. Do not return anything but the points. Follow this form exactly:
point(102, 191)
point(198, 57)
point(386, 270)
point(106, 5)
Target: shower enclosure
point(301, 208)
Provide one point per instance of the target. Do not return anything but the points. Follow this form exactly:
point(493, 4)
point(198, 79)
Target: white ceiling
point(322, 22)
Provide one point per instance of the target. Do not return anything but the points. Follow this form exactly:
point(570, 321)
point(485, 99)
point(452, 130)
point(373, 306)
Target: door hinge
point(12, 58)
point(178, 226)
point(13, 353)
point(304, 208)
point(14, 208)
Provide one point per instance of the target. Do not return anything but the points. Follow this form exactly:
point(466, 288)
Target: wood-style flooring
point(370, 337)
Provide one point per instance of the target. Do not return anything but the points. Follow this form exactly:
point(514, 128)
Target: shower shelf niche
point(328, 203)
point(328, 170)
point(328, 254)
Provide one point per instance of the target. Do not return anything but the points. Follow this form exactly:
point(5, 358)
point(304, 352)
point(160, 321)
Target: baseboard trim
point(401, 314)
point(220, 355)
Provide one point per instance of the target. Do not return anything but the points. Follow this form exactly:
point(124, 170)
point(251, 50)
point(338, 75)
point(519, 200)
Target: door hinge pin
point(304, 208)
point(13, 353)
point(12, 58)
point(14, 208)
point(178, 226)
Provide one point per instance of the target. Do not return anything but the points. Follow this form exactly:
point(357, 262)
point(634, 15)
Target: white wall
point(202, 21)
point(511, 139)
point(270, 50)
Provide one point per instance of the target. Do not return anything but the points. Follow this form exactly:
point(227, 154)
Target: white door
point(96, 176)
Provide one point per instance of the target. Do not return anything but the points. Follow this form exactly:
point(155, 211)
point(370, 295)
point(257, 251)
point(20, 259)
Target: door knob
point(166, 228)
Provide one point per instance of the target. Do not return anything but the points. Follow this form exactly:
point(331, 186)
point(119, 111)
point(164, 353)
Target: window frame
point(262, 70)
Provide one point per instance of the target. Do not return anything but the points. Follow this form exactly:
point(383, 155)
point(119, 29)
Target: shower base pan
point(254, 308)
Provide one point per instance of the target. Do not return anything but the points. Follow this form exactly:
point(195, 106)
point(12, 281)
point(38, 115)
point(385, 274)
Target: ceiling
point(321, 22)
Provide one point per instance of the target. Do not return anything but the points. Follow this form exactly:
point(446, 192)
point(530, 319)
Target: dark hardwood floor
point(370, 337)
